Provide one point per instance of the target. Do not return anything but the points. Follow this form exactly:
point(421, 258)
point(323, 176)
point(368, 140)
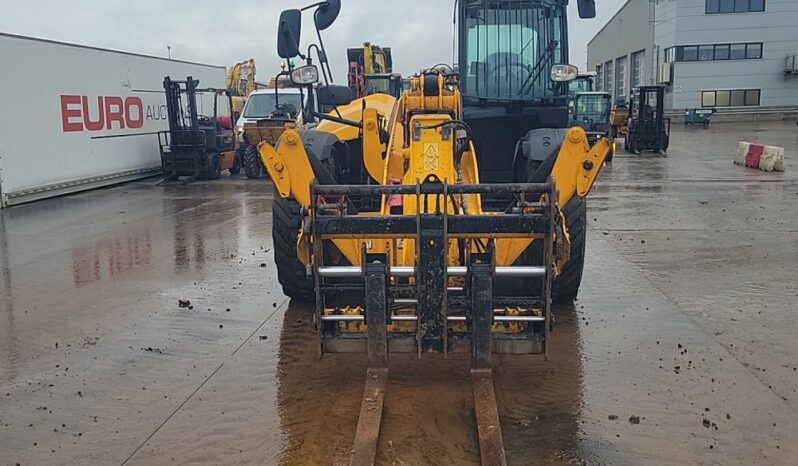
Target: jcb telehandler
point(443, 221)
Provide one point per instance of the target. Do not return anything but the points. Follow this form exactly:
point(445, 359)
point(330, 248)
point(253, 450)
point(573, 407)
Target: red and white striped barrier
point(760, 156)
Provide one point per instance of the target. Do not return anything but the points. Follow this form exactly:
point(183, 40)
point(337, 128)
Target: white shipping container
point(74, 117)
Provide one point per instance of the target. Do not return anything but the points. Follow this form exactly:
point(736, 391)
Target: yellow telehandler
point(446, 220)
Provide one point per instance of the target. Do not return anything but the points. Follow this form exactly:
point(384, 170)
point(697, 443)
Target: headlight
point(562, 73)
point(305, 75)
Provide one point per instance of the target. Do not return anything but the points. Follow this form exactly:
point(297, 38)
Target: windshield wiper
point(548, 55)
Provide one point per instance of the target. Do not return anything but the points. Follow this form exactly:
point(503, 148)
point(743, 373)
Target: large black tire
point(566, 285)
point(213, 166)
point(286, 222)
point(250, 160)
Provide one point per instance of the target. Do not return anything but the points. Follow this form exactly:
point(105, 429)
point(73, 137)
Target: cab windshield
point(508, 48)
point(581, 84)
point(593, 104)
point(263, 105)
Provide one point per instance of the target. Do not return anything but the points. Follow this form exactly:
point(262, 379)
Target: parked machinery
point(648, 129)
point(582, 83)
point(371, 71)
point(241, 78)
point(403, 221)
point(196, 145)
point(619, 119)
point(264, 118)
point(698, 116)
point(592, 113)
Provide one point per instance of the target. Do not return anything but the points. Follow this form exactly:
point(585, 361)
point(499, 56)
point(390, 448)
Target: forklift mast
point(181, 117)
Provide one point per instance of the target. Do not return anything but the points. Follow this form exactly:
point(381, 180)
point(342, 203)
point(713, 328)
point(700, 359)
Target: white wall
point(629, 31)
point(45, 147)
point(685, 23)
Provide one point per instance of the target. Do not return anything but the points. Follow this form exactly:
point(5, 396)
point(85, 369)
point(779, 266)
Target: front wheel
point(565, 286)
point(213, 166)
point(250, 160)
point(286, 222)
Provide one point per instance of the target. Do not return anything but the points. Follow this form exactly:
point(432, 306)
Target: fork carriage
point(445, 301)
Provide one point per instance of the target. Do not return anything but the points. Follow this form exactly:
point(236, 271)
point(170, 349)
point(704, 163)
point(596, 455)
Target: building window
point(734, 6)
point(638, 65)
point(608, 76)
point(737, 52)
point(670, 55)
point(687, 53)
point(599, 78)
point(706, 52)
point(620, 77)
point(751, 51)
point(731, 98)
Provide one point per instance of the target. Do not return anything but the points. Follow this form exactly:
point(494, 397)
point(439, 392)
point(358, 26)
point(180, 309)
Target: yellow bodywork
point(374, 59)
point(418, 146)
point(241, 77)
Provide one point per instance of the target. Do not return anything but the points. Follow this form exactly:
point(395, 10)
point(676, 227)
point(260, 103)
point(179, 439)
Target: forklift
point(648, 130)
point(591, 112)
point(197, 146)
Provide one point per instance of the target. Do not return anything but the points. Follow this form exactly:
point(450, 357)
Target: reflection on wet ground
point(681, 348)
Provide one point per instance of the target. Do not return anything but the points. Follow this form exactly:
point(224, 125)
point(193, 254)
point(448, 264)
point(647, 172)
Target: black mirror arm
point(313, 6)
point(277, 86)
point(322, 52)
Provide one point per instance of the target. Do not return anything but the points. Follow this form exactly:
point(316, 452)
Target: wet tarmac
point(680, 350)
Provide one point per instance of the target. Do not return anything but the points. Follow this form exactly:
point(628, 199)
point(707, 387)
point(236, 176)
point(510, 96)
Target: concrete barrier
point(760, 156)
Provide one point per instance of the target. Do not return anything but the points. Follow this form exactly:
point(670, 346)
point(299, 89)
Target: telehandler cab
point(447, 220)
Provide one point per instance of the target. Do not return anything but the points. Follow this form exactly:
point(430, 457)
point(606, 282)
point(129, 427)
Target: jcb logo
point(79, 113)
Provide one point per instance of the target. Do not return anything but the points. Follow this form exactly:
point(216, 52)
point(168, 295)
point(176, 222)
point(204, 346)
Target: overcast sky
point(222, 33)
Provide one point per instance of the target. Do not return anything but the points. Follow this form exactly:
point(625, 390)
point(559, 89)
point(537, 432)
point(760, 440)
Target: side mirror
point(326, 14)
point(288, 33)
point(334, 95)
point(587, 8)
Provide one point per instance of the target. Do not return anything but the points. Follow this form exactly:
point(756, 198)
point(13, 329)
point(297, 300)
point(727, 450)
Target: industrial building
point(737, 56)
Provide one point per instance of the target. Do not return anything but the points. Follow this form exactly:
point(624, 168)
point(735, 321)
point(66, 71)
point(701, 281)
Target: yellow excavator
point(241, 77)
point(446, 220)
point(371, 71)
